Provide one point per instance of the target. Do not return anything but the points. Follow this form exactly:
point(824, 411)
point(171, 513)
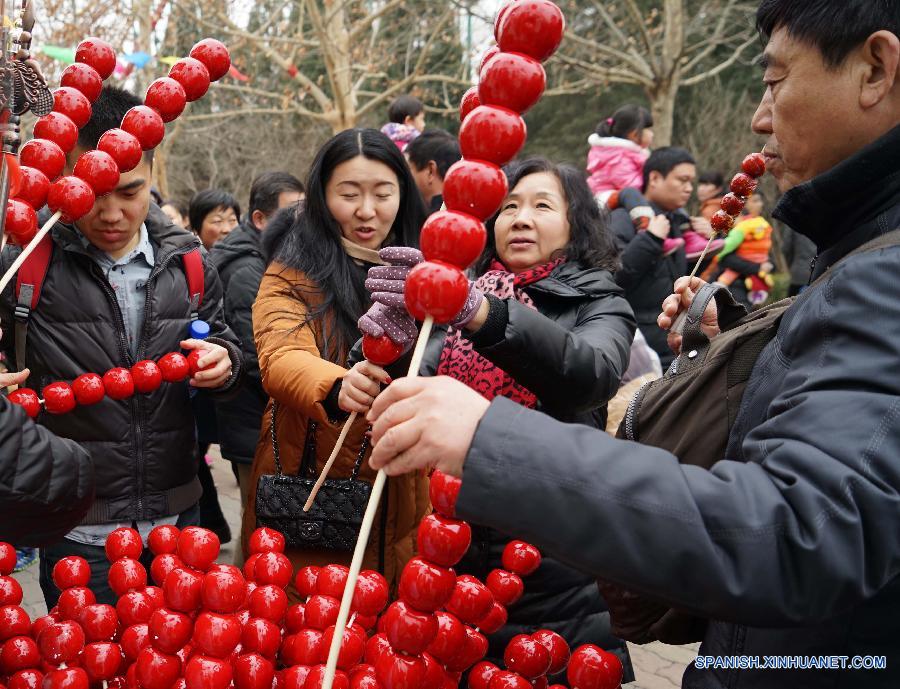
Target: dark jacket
point(799, 251)
point(239, 260)
point(46, 483)
point(792, 541)
point(571, 353)
point(646, 275)
point(142, 447)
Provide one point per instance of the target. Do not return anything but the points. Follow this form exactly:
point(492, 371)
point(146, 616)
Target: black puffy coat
point(239, 260)
point(46, 483)
point(571, 353)
point(646, 275)
point(142, 447)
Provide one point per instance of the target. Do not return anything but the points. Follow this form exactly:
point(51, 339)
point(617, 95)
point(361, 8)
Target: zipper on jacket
point(631, 411)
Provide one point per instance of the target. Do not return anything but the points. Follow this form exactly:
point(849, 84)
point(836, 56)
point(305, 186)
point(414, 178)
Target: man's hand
point(16, 378)
point(702, 226)
point(216, 357)
point(360, 386)
point(660, 227)
point(424, 423)
point(678, 303)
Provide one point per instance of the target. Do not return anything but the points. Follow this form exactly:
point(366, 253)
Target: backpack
point(699, 397)
point(33, 271)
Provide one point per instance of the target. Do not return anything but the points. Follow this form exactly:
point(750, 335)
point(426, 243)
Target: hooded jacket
point(143, 446)
point(239, 260)
point(615, 164)
point(790, 545)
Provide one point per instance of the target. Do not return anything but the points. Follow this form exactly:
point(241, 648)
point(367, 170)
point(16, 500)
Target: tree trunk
point(662, 107)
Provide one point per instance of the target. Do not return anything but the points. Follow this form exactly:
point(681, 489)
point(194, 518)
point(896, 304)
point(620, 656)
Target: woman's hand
point(360, 386)
point(660, 227)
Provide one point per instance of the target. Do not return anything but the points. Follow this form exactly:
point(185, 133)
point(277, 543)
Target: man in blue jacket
point(790, 545)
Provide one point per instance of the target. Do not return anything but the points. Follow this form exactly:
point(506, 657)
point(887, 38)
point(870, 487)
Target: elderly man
point(790, 545)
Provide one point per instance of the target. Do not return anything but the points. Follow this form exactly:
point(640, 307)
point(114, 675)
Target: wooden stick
point(366, 529)
point(678, 325)
point(26, 252)
point(325, 469)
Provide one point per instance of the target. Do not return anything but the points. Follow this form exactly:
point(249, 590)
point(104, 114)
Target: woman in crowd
point(213, 213)
point(360, 198)
point(546, 326)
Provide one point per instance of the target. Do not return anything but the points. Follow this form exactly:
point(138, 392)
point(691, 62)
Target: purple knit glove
point(397, 324)
point(473, 303)
point(387, 283)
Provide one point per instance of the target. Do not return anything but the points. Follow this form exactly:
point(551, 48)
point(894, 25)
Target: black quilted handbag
point(334, 520)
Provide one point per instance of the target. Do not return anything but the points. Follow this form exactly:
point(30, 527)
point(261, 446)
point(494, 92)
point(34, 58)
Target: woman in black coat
point(552, 332)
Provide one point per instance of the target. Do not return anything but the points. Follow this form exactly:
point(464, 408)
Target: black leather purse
point(334, 520)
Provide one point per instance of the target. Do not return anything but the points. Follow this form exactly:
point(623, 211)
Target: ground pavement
point(657, 666)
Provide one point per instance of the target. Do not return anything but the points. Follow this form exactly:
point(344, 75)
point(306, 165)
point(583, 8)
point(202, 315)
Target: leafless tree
point(659, 45)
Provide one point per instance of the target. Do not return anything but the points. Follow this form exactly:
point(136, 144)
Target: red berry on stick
point(450, 637)
point(126, 574)
point(521, 558)
point(84, 78)
point(98, 169)
point(508, 680)
point(443, 541)
point(98, 54)
point(72, 196)
point(118, 383)
point(216, 635)
point(492, 133)
point(721, 222)
point(332, 580)
point(134, 607)
point(558, 647)
point(21, 222)
point(475, 187)
point(381, 350)
point(99, 622)
point(28, 400)
point(192, 75)
point(321, 611)
point(123, 542)
point(494, 621)
point(398, 671)
point(436, 289)
point(471, 600)
point(35, 187)
point(252, 671)
point(754, 165)
point(66, 678)
point(61, 642)
point(7, 558)
point(408, 630)
point(198, 548)
point(443, 490)
point(73, 103)
point(273, 568)
point(481, 673)
point(353, 645)
point(43, 155)
point(133, 639)
point(167, 97)
point(203, 672)
point(426, 586)
point(10, 591)
point(593, 668)
point(26, 679)
point(468, 103)
point(182, 589)
point(156, 670)
point(88, 388)
point(526, 656)
point(535, 28)
point(485, 58)
point(268, 602)
point(306, 581)
point(193, 361)
point(124, 148)
point(214, 55)
point(146, 125)
point(732, 204)
point(162, 565)
point(71, 571)
point(58, 398)
point(147, 376)
point(58, 128)
point(102, 660)
point(371, 594)
point(511, 80)
point(174, 367)
point(14, 621)
point(506, 586)
point(452, 237)
point(19, 653)
point(265, 540)
point(473, 649)
point(743, 185)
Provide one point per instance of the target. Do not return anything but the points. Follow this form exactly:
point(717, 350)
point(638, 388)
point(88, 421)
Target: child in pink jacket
point(619, 149)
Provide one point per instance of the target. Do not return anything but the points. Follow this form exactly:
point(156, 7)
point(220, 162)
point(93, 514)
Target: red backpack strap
point(193, 270)
point(29, 281)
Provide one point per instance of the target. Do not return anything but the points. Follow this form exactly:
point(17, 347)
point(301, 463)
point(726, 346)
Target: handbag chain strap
point(354, 476)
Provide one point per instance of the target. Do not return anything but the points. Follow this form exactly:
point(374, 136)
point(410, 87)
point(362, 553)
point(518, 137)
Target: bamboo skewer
point(26, 252)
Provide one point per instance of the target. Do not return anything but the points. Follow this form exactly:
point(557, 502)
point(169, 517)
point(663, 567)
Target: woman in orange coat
point(360, 197)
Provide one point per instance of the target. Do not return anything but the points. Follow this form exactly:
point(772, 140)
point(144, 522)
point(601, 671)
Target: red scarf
point(459, 359)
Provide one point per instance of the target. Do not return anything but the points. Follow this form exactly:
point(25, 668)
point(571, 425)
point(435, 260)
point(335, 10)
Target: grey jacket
point(791, 543)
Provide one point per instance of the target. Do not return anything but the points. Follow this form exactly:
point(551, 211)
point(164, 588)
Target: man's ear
point(433, 169)
point(881, 54)
point(258, 218)
point(409, 120)
point(655, 177)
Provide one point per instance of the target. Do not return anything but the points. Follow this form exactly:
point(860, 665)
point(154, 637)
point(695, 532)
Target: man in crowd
point(240, 263)
point(116, 292)
point(790, 545)
point(430, 156)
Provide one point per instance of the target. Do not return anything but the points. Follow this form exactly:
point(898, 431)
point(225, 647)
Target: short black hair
point(714, 177)
point(627, 119)
point(205, 202)
point(267, 187)
point(834, 27)
point(403, 107)
point(107, 113)
point(434, 144)
point(664, 160)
